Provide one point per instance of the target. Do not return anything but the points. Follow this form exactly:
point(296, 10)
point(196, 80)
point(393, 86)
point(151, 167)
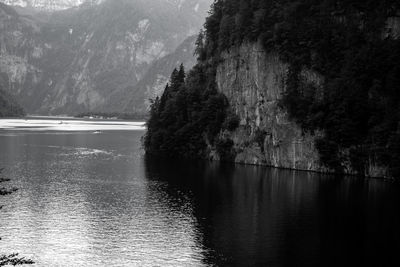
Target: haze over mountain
point(48, 4)
point(91, 57)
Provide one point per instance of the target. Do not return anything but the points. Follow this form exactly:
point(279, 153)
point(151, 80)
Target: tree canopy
point(348, 42)
point(189, 114)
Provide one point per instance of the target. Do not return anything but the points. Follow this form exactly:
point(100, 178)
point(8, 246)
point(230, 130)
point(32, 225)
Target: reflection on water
point(85, 200)
point(93, 200)
point(251, 216)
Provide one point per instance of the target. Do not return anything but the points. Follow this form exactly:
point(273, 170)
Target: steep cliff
point(306, 85)
point(254, 81)
point(311, 95)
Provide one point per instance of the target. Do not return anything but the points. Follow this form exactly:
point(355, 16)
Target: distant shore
point(113, 116)
point(69, 124)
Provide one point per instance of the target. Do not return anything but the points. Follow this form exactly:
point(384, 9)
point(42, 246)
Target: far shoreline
point(69, 124)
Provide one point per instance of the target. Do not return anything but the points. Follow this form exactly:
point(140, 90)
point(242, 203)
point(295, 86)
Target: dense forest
point(188, 114)
point(346, 41)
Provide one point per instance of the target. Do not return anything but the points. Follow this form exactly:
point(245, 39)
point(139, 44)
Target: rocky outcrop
point(253, 81)
point(392, 28)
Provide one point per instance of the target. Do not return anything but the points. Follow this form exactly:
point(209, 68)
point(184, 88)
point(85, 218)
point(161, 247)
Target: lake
point(88, 197)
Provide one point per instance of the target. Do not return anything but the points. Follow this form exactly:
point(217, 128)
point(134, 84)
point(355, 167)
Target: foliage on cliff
point(349, 44)
point(189, 114)
point(8, 107)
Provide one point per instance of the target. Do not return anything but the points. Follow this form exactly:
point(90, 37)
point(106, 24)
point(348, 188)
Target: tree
point(199, 50)
point(189, 111)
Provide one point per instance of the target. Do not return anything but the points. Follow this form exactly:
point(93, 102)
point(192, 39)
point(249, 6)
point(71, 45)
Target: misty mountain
point(156, 78)
point(52, 5)
point(49, 5)
point(91, 57)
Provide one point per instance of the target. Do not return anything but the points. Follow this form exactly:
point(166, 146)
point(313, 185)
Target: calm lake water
point(88, 197)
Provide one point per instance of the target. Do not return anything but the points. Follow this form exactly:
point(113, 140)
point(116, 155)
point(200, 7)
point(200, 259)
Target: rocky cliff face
point(90, 58)
point(253, 81)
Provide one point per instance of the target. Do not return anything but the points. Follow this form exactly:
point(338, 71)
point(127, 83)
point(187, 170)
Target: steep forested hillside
point(354, 45)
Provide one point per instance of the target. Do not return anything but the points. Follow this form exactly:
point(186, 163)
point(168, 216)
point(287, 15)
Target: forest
point(189, 114)
point(346, 41)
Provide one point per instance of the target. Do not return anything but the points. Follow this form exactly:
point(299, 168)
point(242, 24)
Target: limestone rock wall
point(253, 81)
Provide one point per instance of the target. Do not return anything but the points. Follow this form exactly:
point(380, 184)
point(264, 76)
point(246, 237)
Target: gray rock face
point(90, 58)
point(253, 81)
point(392, 28)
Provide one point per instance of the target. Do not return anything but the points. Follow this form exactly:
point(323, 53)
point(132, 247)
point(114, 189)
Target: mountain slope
point(299, 84)
point(49, 5)
point(83, 59)
point(156, 78)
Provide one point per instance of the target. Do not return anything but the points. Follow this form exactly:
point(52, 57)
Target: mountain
point(90, 57)
point(8, 106)
point(53, 5)
point(308, 85)
point(49, 5)
point(154, 81)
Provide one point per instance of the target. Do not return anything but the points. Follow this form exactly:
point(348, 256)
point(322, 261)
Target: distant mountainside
point(153, 83)
point(50, 5)
point(92, 57)
point(53, 5)
point(8, 106)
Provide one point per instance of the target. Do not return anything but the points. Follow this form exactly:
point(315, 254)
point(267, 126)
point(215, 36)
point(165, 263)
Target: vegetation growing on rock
point(348, 43)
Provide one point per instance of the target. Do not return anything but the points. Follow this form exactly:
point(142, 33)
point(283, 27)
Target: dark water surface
point(90, 199)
